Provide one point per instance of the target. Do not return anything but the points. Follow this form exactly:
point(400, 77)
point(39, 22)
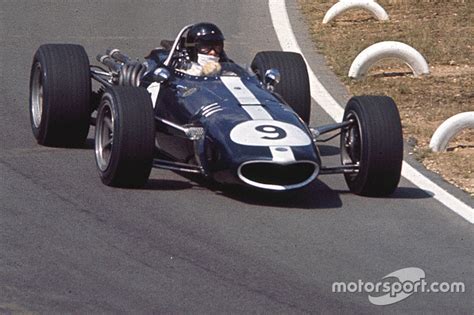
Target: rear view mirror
point(161, 75)
point(272, 78)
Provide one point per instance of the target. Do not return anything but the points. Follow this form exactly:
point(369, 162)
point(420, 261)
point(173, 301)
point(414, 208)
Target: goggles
point(207, 47)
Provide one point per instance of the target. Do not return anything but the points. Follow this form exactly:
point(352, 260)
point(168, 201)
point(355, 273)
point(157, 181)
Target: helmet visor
point(205, 47)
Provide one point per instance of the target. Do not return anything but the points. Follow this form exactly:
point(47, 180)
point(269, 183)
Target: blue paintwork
point(180, 100)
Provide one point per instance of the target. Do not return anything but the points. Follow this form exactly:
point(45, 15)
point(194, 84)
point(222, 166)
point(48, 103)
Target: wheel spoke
point(109, 123)
point(108, 142)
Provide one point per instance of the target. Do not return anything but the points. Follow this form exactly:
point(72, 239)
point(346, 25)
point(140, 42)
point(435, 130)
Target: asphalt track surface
point(70, 244)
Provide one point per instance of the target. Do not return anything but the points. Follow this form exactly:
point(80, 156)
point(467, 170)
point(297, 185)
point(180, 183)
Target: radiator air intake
point(276, 176)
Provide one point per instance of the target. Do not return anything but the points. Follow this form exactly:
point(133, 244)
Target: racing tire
point(294, 85)
point(375, 141)
point(60, 94)
point(124, 137)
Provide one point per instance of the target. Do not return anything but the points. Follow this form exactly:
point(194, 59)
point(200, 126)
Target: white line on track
point(287, 39)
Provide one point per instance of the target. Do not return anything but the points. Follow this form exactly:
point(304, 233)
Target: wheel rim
point(351, 143)
point(37, 95)
point(104, 136)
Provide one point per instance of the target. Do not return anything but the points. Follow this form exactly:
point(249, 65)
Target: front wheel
point(124, 137)
point(373, 141)
point(294, 87)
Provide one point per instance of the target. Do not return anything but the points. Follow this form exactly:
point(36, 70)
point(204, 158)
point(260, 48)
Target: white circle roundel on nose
point(268, 133)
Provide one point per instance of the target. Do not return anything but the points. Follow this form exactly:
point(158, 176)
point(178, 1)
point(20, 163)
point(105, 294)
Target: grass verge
point(442, 31)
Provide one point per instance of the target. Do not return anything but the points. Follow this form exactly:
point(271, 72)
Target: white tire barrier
point(345, 5)
point(384, 50)
point(450, 128)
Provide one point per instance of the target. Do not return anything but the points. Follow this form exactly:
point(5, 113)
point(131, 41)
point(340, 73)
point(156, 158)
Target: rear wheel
point(60, 91)
point(294, 86)
point(374, 141)
point(124, 136)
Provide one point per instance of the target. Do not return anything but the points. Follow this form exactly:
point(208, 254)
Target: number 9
point(274, 133)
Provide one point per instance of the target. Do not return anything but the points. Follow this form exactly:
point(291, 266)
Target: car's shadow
point(314, 196)
point(400, 193)
point(328, 150)
point(89, 144)
point(409, 193)
point(168, 184)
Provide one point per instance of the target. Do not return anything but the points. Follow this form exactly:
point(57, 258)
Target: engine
point(123, 70)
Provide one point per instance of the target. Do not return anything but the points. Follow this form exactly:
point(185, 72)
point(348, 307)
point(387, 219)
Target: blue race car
point(237, 125)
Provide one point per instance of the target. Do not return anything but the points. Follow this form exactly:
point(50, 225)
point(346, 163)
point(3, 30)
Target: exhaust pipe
point(127, 72)
point(118, 55)
point(113, 65)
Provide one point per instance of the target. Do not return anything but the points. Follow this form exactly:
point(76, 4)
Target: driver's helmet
point(205, 42)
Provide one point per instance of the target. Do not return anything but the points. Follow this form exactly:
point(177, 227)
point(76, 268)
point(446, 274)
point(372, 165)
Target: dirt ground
point(443, 32)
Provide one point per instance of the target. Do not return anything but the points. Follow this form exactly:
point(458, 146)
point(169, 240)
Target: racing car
point(244, 125)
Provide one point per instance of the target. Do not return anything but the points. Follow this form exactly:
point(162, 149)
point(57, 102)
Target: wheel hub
point(351, 148)
point(37, 95)
point(104, 136)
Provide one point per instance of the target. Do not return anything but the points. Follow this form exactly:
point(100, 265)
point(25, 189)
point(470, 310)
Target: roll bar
point(175, 44)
